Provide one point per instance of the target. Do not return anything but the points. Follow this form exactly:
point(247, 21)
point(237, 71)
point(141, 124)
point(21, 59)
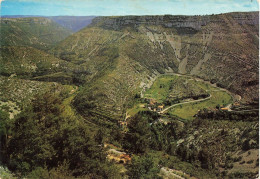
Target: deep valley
point(130, 96)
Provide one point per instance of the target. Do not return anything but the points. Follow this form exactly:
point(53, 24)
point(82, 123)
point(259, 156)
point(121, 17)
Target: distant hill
point(19, 16)
point(23, 45)
point(73, 23)
point(37, 32)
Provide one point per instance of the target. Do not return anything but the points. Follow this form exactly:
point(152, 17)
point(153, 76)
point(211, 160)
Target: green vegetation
point(17, 93)
point(168, 88)
point(173, 89)
point(147, 136)
point(6, 174)
point(143, 167)
point(136, 108)
point(65, 103)
point(40, 33)
point(27, 62)
point(187, 111)
point(71, 149)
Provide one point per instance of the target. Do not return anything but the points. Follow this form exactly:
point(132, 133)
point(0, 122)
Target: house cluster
point(224, 109)
point(236, 104)
point(122, 124)
point(153, 105)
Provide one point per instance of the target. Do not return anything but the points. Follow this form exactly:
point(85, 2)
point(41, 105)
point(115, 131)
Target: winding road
point(193, 101)
point(150, 83)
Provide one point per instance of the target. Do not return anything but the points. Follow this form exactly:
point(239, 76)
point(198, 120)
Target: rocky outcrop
point(117, 23)
point(169, 21)
point(246, 18)
point(31, 20)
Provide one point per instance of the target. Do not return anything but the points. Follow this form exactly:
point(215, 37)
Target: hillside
point(38, 32)
point(206, 46)
point(23, 44)
point(27, 62)
point(221, 48)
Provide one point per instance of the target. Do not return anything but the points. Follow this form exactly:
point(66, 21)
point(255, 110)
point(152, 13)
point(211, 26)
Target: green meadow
point(168, 87)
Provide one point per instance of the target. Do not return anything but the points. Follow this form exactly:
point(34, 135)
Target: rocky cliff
point(170, 21)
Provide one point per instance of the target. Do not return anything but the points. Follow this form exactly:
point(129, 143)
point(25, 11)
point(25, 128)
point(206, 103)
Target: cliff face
point(166, 21)
point(246, 18)
point(169, 21)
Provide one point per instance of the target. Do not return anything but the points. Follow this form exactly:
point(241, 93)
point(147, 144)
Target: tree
point(137, 139)
point(43, 138)
point(4, 130)
point(246, 145)
point(143, 167)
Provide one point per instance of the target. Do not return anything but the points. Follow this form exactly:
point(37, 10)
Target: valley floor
point(184, 108)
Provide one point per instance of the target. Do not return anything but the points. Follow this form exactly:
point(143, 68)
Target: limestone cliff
point(169, 21)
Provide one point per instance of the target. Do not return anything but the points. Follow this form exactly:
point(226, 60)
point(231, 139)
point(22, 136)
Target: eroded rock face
point(194, 22)
point(169, 21)
point(246, 18)
point(38, 20)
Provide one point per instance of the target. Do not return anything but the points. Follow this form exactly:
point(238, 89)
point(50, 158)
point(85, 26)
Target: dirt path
point(126, 116)
point(182, 65)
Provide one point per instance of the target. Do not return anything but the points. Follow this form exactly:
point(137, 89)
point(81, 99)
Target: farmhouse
point(224, 109)
point(160, 108)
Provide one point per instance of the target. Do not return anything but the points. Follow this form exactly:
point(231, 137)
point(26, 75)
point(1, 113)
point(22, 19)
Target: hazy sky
point(124, 7)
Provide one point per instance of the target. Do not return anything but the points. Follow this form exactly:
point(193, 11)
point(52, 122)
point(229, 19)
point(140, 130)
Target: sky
point(124, 7)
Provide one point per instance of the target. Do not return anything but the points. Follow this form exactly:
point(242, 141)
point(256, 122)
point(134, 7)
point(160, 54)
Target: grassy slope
point(225, 40)
point(187, 111)
point(234, 53)
point(173, 87)
point(24, 44)
point(112, 77)
point(218, 97)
